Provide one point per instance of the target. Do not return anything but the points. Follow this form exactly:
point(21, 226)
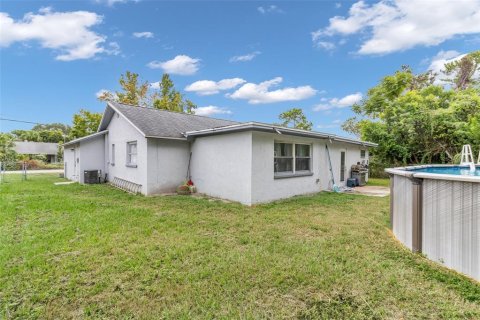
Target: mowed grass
point(77, 251)
point(379, 182)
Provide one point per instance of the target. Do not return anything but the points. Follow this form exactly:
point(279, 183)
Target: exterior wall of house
point(221, 166)
point(119, 133)
point(167, 164)
point(352, 156)
point(266, 187)
point(92, 156)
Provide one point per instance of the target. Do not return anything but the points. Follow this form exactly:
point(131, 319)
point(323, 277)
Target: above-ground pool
point(454, 170)
point(435, 210)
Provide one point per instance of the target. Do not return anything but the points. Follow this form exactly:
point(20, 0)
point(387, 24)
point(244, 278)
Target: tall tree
point(415, 121)
point(85, 123)
point(464, 71)
point(295, 118)
point(136, 92)
point(168, 98)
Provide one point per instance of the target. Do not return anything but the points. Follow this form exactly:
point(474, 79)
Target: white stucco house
point(248, 162)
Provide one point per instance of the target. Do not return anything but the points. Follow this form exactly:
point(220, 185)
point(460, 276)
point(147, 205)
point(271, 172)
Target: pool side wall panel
point(451, 224)
point(439, 216)
point(402, 210)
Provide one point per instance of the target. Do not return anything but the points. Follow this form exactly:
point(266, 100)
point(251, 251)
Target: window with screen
point(302, 157)
point(132, 153)
point(291, 158)
point(283, 158)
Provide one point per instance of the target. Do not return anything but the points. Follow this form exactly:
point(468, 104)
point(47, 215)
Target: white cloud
point(397, 25)
point(437, 65)
point(67, 32)
point(113, 48)
point(181, 64)
point(208, 87)
point(144, 34)
point(259, 93)
point(211, 110)
point(245, 57)
point(155, 85)
point(326, 45)
point(111, 3)
point(101, 92)
point(338, 103)
point(438, 62)
point(334, 124)
point(269, 9)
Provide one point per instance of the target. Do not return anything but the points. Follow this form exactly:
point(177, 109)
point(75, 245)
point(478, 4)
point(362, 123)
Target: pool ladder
point(467, 157)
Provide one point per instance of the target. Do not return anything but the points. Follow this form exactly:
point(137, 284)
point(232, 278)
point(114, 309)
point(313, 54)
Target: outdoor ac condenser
point(92, 176)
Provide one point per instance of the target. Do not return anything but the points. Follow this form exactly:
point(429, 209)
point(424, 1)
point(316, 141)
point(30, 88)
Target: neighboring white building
point(47, 149)
point(248, 162)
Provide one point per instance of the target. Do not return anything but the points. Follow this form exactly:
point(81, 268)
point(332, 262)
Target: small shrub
point(183, 189)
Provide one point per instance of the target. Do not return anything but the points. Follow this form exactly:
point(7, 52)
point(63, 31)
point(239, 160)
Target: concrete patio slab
point(373, 191)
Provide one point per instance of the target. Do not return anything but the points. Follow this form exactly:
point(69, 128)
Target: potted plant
point(183, 190)
point(191, 186)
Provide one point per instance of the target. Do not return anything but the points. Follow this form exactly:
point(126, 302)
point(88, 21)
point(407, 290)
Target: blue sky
point(320, 56)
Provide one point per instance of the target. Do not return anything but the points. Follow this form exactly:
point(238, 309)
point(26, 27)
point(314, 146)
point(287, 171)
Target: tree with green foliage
point(84, 124)
point(463, 71)
point(168, 98)
point(134, 91)
point(141, 93)
point(416, 121)
point(7, 152)
point(295, 118)
point(39, 135)
point(26, 135)
point(65, 129)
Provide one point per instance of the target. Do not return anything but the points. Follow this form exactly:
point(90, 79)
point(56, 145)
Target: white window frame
point(112, 156)
point(295, 158)
point(129, 163)
point(364, 154)
point(294, 172)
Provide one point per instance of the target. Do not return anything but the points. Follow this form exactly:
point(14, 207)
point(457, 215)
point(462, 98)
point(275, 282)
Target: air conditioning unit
point(92, 176)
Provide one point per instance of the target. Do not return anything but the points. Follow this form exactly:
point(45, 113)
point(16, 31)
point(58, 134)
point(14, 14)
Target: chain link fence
point(14, 171)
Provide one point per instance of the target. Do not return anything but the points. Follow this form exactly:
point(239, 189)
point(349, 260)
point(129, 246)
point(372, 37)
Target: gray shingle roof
point(162, 123)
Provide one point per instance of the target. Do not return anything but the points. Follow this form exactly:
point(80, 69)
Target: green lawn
point(77, 251)
point(379, 182)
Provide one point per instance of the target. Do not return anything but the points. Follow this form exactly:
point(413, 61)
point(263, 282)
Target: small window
point(363, 154)
point(283, 158)
point(302, 157)
point(112, 161)
point(132, 154)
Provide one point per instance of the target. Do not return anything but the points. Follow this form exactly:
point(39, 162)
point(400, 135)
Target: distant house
point(48, 149)
point(248, 162)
